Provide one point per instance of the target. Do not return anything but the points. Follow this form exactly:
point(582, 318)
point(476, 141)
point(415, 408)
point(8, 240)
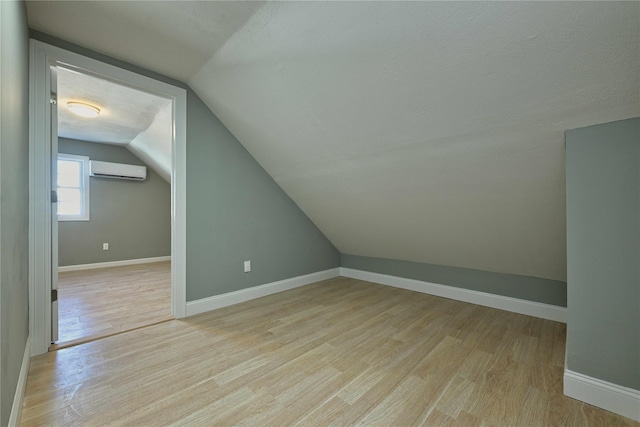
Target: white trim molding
point(16, 408)
point(41, 231)
point(113, 263)
point(611, 397)
point(236, 297)
point(515, 305)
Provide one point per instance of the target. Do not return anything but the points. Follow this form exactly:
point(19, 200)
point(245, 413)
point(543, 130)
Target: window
point(73, 188)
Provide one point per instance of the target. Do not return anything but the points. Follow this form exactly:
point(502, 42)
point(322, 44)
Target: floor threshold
point(88, 339)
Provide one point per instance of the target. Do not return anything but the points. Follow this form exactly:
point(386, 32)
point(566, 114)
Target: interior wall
point(235, 210)
point(14, 203)
point(510, 285)
point(603, 257)
point(133, 217)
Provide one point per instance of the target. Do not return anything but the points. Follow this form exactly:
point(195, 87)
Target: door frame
point(42, 56)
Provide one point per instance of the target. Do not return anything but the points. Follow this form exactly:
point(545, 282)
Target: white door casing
point(42, 57)
point(53, 108)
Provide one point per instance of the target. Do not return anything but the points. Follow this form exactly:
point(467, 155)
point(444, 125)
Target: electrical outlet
point(247, 266)
point(105, 246)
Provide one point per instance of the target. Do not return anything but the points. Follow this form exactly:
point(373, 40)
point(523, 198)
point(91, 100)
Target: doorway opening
point(113, 185)
point(93, 257)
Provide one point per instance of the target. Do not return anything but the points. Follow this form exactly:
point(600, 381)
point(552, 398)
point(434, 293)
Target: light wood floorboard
point(337, 353)
point(102, 302)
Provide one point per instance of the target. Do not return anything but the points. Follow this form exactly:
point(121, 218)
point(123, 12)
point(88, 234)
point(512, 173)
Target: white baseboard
point(16, 408)
point(612, 397)
point(516, 305)
point(113, 263)
point(236, 297)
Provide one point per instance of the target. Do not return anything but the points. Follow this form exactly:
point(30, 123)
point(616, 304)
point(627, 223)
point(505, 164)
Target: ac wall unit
point(117, 171)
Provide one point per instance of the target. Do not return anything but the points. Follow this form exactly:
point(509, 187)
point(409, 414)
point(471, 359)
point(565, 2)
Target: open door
point(54, 205)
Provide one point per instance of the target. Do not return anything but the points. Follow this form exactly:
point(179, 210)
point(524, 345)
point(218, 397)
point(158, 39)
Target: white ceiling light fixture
point(83, 109)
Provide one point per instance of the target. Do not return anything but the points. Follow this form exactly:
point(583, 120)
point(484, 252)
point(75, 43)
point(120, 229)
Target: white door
point(54, 205)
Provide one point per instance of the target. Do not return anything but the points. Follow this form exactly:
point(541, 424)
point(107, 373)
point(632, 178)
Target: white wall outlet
point(247, 266)
point(105, 246)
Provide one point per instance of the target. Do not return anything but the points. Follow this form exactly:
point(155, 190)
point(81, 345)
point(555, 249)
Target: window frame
point(84, 189)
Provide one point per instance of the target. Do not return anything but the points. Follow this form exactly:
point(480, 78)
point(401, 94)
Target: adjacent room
point(332, 213)
point(114, 209)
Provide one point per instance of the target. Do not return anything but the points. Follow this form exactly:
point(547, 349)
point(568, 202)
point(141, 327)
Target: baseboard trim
point(611, 397)
point(516, 305)
point(236, 297)
point(113, 263)
point(16, 408)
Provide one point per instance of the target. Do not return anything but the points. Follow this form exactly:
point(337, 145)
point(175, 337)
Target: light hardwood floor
point(339, 352)
point(102, 302)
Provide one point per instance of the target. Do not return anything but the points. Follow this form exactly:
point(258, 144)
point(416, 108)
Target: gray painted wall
point(603, 251)
point(511, 285)
point(14, 201)
point(133, 217)
point(235, 211)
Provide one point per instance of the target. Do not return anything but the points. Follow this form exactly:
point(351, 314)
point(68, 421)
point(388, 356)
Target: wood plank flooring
point(102, 302)
point(337, 353)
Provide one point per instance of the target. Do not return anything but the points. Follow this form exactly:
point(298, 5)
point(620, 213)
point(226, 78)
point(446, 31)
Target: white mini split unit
point(117, 171)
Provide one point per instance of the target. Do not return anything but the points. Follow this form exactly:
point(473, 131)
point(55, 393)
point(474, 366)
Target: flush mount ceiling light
point(83, 109)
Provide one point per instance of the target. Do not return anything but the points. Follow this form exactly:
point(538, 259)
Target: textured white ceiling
point(153, 145)
point(420, 131)
point(124, 111)
point(170, 37)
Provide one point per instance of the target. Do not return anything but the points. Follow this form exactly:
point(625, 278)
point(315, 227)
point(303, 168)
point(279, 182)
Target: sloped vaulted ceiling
point(419, 131)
